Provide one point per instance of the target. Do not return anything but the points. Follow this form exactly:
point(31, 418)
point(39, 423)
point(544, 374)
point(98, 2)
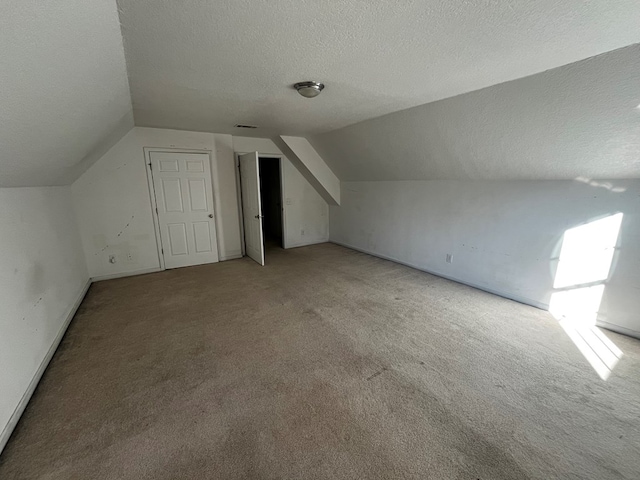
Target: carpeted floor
point(325, 364)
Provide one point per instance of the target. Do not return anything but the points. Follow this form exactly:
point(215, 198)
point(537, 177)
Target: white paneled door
point(251, 208)
point(184, 198)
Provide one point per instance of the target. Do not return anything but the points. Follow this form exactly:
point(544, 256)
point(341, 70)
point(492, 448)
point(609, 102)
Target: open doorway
point(261, 188)
point(271, 202)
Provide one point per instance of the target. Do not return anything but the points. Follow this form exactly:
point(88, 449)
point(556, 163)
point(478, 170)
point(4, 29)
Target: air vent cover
point(239, 125)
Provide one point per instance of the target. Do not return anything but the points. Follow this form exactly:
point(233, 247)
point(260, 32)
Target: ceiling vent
point(239, 125)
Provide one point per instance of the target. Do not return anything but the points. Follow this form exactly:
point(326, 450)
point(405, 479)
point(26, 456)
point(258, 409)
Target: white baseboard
point(134, 273)
point(618, 329)
point(13, 421)
point(527, 301)
point(510, 296)
point(231, 257)
point(100, 278)
point(306, 244)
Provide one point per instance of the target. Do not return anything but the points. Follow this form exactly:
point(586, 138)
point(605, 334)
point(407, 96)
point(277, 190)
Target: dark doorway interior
point(271, 200)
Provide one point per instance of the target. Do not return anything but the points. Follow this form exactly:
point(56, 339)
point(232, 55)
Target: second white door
point(184, 198)
point(251, 208)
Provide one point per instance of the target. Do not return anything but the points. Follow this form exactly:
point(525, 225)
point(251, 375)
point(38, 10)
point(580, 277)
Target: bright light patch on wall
point(580, 305)
point(587, 252)
point(584, 266)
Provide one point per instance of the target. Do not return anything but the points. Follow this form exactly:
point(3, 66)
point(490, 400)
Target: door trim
point(282, 195)
point(153, 201)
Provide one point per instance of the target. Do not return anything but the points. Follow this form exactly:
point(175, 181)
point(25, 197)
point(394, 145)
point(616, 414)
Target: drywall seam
point(133, 273)
point(15, 417)
point(509, 296)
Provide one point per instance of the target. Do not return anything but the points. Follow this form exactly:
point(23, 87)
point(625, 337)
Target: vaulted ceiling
point(64, 95)
point(207, 65)
point(573, 122)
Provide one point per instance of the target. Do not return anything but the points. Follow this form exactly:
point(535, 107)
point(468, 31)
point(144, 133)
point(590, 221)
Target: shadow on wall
point(584, 266)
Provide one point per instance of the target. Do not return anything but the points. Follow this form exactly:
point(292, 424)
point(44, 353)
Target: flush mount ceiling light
point(309, 89)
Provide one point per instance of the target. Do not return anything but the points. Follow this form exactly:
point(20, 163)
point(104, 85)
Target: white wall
point(113, 204)
point(465, 175)
point(312, 166)
point(42, 278)
point(306, 213)
point(505, 236)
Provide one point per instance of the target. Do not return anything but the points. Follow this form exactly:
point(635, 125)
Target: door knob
point(259, 216)
point(211, 215)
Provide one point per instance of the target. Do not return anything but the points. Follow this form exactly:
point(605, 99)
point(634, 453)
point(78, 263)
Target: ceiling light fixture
point(309, 89)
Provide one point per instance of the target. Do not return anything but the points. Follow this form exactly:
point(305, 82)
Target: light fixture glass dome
point(309, 89)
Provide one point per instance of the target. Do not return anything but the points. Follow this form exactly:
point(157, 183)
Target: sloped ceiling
point(64, 93)
point(574, 122)
point(207, 65)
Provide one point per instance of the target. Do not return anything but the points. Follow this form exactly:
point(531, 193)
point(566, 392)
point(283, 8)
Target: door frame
point(153, 201)
point(282, 195)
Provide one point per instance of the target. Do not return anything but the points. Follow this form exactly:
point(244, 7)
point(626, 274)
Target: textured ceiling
point(64, 91)
point(580, 121)
point(207, 65)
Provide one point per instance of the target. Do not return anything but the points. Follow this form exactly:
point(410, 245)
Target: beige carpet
point(325, 364)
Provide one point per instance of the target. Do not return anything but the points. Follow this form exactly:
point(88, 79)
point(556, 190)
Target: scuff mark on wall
point(101, 251)
point(125, 227)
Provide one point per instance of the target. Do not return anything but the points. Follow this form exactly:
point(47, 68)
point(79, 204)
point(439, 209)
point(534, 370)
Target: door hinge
point(156, 210)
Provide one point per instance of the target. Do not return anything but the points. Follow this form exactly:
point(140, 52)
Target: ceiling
point(64, 95)
point(579, 121)
point(67, 92)
point(207, 65)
